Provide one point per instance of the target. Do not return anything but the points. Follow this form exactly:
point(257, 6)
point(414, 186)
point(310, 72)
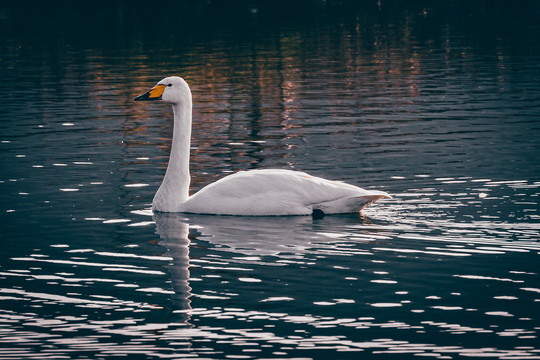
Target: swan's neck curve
point(174, 189)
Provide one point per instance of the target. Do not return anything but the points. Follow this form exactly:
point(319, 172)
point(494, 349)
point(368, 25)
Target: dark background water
point(435, 102)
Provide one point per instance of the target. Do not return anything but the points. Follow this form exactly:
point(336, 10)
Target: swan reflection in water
point(252, 237)
point(173, 231)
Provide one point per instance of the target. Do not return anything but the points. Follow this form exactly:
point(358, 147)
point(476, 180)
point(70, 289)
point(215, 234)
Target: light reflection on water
point(222, 284)
point(447, 268)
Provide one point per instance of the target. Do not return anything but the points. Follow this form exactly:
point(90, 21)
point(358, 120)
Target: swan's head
point(172, 89)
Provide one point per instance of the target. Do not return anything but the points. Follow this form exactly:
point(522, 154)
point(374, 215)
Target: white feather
point(278, 192)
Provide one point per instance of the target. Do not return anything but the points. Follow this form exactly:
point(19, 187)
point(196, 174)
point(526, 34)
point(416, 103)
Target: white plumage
point(253, 192)
point(278, 192)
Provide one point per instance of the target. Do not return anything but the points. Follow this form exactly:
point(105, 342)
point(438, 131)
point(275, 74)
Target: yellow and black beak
point(154, 93)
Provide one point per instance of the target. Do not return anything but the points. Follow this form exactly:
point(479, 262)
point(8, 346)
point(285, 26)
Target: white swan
point(253, 192)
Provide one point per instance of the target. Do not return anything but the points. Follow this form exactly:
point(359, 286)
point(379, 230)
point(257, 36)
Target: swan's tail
point(370, 199)
point(350, 204)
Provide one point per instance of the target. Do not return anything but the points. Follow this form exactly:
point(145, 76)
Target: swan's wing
point(278, 192)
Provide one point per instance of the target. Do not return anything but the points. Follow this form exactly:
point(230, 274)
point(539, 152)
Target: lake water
point(439, 106)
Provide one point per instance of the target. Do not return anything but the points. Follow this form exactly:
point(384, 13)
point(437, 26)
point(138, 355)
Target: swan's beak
point(154, 93)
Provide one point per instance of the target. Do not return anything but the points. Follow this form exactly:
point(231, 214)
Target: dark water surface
point(437, 105)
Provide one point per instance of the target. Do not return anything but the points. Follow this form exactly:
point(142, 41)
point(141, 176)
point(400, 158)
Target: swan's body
point(277, 192)
point(254, 192)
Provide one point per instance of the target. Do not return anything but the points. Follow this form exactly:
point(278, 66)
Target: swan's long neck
point(175, 187)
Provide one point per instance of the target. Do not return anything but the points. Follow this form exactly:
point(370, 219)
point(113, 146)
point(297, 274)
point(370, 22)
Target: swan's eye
point(169, 85)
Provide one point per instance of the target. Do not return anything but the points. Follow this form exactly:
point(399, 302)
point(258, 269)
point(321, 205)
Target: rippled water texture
point(436, 103)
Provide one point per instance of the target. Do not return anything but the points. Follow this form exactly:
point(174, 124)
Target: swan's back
point(278, 192)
